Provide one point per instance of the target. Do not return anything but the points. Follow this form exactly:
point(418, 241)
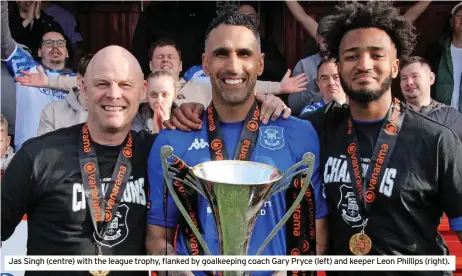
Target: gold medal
point(99, 272)
point(360, 244)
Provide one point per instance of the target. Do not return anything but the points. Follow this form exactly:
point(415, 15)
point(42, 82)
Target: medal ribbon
point(365, 189)
point(102, 209)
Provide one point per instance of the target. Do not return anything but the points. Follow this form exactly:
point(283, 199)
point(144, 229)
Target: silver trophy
point(236, 191)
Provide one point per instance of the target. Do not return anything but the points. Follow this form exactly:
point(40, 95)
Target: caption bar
point(229, 263)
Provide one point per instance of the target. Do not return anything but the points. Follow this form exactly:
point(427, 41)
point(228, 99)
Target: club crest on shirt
point(348, 207)
point(117, 230)
point(271, 137)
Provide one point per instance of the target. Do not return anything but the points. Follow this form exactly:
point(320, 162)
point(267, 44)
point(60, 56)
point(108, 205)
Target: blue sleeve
point(191, 71)
point(20, 60)
point(156, 214)
point(455, 224)
point(309, 134)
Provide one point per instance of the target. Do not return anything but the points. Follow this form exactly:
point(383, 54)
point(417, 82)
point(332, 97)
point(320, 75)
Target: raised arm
point(416, 10)
point(7, 42)
point(288, 85)
point(42, 80)
point(310, 25)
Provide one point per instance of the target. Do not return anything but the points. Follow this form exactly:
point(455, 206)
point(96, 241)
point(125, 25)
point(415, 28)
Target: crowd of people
point(84, 161)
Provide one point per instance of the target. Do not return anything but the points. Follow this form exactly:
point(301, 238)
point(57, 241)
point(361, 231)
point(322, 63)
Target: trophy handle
point(166, 152)
point(308, 159)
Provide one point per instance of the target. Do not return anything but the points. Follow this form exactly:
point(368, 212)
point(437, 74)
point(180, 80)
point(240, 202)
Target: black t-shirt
point(44, 181)
point(422, 180)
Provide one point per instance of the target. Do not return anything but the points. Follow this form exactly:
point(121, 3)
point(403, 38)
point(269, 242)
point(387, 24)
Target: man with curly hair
point(389, 172)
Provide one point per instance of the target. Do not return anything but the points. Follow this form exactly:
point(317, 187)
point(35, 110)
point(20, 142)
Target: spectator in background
point(70, 111)
point(416, 80)
point(183, 21)
point(309, 64)
point(69, 25)
point(28, 23)
point(329, 85)
point(6, 151)
point(161, 91)
point(53, 53)
point(8, 98)
point(445, 57)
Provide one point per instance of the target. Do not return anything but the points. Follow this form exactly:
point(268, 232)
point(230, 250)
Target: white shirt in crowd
point(456, 54)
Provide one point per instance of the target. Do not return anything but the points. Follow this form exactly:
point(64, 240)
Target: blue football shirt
point(280, 143)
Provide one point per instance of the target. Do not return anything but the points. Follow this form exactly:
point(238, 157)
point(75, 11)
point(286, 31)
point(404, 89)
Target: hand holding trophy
point(236, 191)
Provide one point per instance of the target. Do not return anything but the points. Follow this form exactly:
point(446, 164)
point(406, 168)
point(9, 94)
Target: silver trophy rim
point(278, 178)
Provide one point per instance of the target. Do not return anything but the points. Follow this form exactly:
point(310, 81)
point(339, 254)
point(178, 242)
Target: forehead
point(52, 35)
point(232, 37)
point(415, 67)
point(168, 49)
point(247, 9)
point(328, 68)
point(113, 69)
point(366, 38)
point(161, 82)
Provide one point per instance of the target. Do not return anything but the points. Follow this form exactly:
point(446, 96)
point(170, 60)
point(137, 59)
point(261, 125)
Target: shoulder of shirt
point(57, 139)
point(427, 126)
point(293, 125)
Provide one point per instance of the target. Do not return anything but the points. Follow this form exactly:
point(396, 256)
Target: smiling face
point(416, 81)
point(233, 61)
point(367, 64)
point(112, 88)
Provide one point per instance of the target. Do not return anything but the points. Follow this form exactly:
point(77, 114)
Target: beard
point(365, 96)
point(237, 96)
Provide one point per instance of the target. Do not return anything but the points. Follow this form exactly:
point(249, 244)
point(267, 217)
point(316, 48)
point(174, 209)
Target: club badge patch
point(117, 231)
point(271, 137)
point(348, 207)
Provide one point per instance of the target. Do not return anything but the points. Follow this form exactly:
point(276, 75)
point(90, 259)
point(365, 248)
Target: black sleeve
point(450, 173)
point(17, 191)
point(275, 64)
point(140, 43)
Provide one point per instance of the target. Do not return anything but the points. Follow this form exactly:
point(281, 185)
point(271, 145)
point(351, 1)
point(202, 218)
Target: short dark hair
point(162, 43)
point(324, 61)
point(414, 59)
point(373, 14)
point(233, 17)
point(83, 64)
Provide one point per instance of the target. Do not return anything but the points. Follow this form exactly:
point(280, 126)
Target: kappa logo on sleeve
point(271, 137)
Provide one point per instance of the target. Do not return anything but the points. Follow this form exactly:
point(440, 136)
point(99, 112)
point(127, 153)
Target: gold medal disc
point(99, 272)
point(360, 244)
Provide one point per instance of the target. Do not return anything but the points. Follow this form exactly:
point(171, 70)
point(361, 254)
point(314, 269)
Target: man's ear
point(432, 78)
point(204, 64)
point(39, 53)
point(181, 66)
point(144, 93)
point(150, 66)
point(395, 68)
point(261, 64)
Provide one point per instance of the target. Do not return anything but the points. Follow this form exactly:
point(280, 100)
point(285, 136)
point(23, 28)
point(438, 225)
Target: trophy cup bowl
point(236, 190)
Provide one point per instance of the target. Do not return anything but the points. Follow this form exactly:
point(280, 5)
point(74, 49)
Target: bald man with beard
point(48, 176)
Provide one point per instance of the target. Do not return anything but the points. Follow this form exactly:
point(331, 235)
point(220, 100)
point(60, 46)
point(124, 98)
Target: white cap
point(458, 6)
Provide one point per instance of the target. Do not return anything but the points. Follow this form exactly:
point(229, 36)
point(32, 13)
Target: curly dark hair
point(233, 17)
point(373, 14)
